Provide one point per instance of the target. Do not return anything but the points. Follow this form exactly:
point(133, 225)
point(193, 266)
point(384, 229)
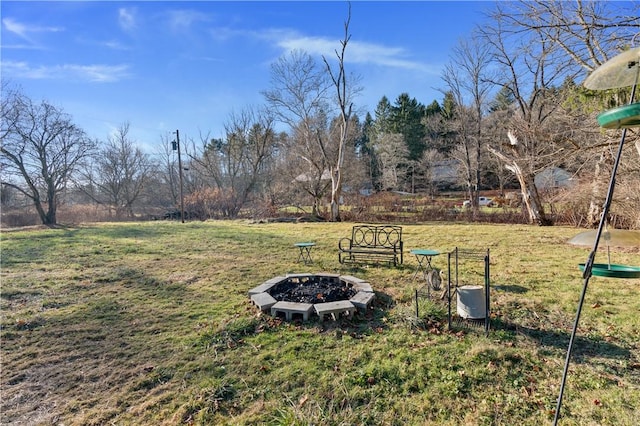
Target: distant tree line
point(512, 107)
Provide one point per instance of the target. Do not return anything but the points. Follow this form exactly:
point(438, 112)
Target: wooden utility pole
point(176, 146)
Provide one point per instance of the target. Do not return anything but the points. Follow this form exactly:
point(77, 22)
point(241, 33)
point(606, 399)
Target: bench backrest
point(388, 236)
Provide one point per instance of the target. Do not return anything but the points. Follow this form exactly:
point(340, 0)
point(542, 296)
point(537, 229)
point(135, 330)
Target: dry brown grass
point(149, 323)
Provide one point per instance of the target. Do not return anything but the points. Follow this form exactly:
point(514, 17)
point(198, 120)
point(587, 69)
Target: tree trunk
point(342, 91)
point(50, 217)
point(315, 209)
point(43, 216)
point(336, 186)
point(597, 196)
point(52, 204)
point(530, 197)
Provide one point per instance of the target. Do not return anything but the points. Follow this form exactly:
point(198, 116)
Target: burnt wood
point(372, 244)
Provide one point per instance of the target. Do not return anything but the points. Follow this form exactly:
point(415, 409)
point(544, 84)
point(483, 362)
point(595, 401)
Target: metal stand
point(589, 265)
point(424, 256)
point(305, 252)
point(453, 262)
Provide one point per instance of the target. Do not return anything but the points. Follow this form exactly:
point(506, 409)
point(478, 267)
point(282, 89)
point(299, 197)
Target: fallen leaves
point(303, 400)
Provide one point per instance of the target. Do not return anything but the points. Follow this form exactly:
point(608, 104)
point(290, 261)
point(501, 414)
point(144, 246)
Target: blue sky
point(163, 65)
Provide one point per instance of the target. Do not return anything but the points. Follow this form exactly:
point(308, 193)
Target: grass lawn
point(150, 323)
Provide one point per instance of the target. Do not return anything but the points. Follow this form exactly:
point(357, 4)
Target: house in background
point(554, 178)
point(445, 174)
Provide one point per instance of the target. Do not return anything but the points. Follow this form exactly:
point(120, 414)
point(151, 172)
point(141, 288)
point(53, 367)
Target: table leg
point(424, 266)
point(305, 255)
point(420, 268)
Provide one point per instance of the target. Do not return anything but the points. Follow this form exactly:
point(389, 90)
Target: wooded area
point(513, 110)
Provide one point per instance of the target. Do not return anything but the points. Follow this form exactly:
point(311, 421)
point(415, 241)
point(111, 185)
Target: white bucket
point(471, 303)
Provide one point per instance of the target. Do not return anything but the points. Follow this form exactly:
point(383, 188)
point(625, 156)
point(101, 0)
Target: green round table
point(305, 252)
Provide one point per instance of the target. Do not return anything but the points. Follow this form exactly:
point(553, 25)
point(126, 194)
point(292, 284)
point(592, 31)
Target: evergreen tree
point(435, 130)
point(383, 116)
point(433, 109)
point(504, 98)
point(448, 114)
point(368, 153)
point(448, 106)
point(406, 119)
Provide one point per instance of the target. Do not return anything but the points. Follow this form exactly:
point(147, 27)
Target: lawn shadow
point(583, 347)
point(118, 232)
point(510, 288)
point(152, 287)
point(108, 339)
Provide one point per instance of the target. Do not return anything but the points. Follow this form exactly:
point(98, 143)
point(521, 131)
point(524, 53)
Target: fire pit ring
point(299, 296)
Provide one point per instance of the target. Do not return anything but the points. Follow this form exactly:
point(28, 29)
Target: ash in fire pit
point(300, 295)
point(313, 289)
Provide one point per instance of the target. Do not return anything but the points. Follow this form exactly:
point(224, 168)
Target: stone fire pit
point(298, 296)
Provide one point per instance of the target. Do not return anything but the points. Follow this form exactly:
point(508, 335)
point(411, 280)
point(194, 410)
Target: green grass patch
point(150, 323)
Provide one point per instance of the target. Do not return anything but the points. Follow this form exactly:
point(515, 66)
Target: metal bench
point(372, 244)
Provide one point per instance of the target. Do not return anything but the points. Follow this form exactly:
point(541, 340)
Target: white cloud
point(99, 73)
point(115, 45)
point(181, 20)
point(91, 73)
point(394, 57)
point(126, 18)
point(357, 52)
point(15, 27)
point(312, 45)
point(222, 34)
point(25, 31)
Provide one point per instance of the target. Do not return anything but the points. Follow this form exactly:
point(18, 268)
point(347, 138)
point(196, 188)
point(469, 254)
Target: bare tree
point(306, 166)
point(10, 95)
point(467, 80)
point(572, 37)
point(167, 175)
point(590, 33)
point(41, 150)
point(357, 156)
point(532, 68)
point(118, 174)
point(428, 167)
point(235, 164)
point(345, 91)
point(391, 152)
point(299, 98)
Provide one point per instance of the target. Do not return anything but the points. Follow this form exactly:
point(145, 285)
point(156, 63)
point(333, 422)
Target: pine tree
point(406, 119)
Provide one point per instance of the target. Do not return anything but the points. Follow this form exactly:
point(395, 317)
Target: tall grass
point(150, 323)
